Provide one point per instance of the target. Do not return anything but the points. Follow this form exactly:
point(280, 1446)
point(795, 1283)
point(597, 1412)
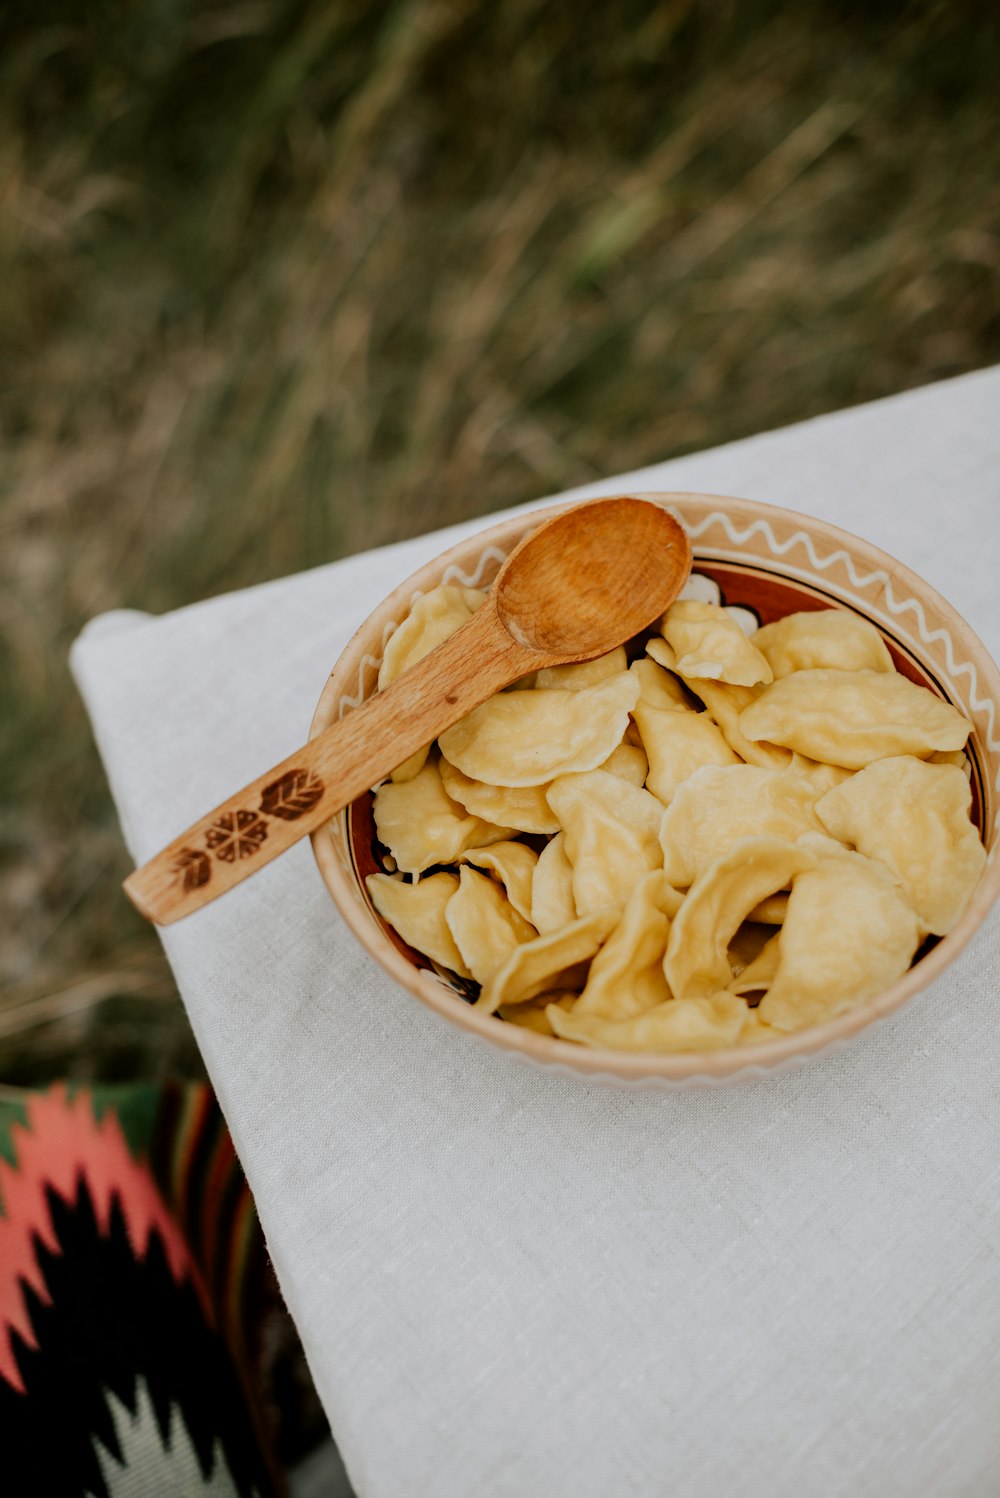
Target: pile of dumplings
point(708, 839)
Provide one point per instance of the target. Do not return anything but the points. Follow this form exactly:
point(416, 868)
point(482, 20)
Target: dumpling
point(528, 738)
point(757, 1032)
point(556, 959)
point(726, 702)
point(626, 976)
point(727, 705)
point(822, 639)
point(522, 807)
point(849, 933)
point(852, 717)
point(431, 620)
point(611, 836)
point(417, 913)
point(628, 762)
point(716, 806)
point(678, 742)
point(955, 757)
point(421, 826)
point(552, 902)
point(697, 960)
point(821, 777)
point(678, 1025)
point(915, 818)
point(484, 923)
point(708, 643)
point(514, 865)
point(532, 1016)
point(657, 686)
point(525, 807)
point(584, 673)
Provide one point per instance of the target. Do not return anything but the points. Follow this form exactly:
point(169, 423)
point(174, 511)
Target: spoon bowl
point(592, 577)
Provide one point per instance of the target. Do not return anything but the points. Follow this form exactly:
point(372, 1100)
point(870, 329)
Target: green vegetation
point(283, 279)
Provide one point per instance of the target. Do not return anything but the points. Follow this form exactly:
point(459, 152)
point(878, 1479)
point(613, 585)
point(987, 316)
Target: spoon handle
point(290, 800)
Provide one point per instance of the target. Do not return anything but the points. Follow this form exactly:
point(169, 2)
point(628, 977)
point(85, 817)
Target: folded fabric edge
point(99, 629)
point(114, 622)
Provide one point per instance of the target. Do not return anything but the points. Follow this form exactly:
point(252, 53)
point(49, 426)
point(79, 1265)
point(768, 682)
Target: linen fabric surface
point(521, 1286)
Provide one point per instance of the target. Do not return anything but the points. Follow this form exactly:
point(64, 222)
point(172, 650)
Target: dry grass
point(281, 280)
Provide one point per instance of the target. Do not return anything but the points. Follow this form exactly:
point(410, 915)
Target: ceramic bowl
point(758, 557)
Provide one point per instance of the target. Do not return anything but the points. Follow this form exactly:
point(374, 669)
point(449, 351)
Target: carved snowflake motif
point(237, 834)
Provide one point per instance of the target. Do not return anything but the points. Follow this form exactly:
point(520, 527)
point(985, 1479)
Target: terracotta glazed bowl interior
point(772, 562)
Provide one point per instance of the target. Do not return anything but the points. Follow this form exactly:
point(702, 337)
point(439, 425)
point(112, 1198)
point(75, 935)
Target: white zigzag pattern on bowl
point(454, 574)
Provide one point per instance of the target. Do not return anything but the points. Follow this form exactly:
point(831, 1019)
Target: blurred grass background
point(283, 279)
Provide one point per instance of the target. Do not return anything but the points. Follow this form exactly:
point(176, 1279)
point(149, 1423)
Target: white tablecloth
point(512, 1285)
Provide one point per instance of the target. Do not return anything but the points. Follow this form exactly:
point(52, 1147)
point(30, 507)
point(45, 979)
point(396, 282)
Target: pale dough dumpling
point(697, 960)
point(514, 865)
point(525, 807)
point(552, 902)
point(678, 742)
point(421, 826)
point(955, 757)
point(484, 923)
point(914, 818)
point(849, 933)
point(821, 777)
point(757, 1032)
point(528, 738)
point(852, 717)
point(727, 705)
point(556, 959)
point(417, 913)
point(521, 807)
point(611, 832)
point(532, 1016)
point(708, 643)
point(585, 673)
point(678, 1025)
point(431, 620)
point(716, 806)
point(628, 762)
point(726, 702)
point(626, 976)
point(833, 639)
point(658, 687)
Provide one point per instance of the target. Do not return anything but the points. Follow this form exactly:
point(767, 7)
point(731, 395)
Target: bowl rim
point(643, 1066)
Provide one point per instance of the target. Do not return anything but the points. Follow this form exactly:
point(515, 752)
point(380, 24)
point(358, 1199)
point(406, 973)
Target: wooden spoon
point(582, 583)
